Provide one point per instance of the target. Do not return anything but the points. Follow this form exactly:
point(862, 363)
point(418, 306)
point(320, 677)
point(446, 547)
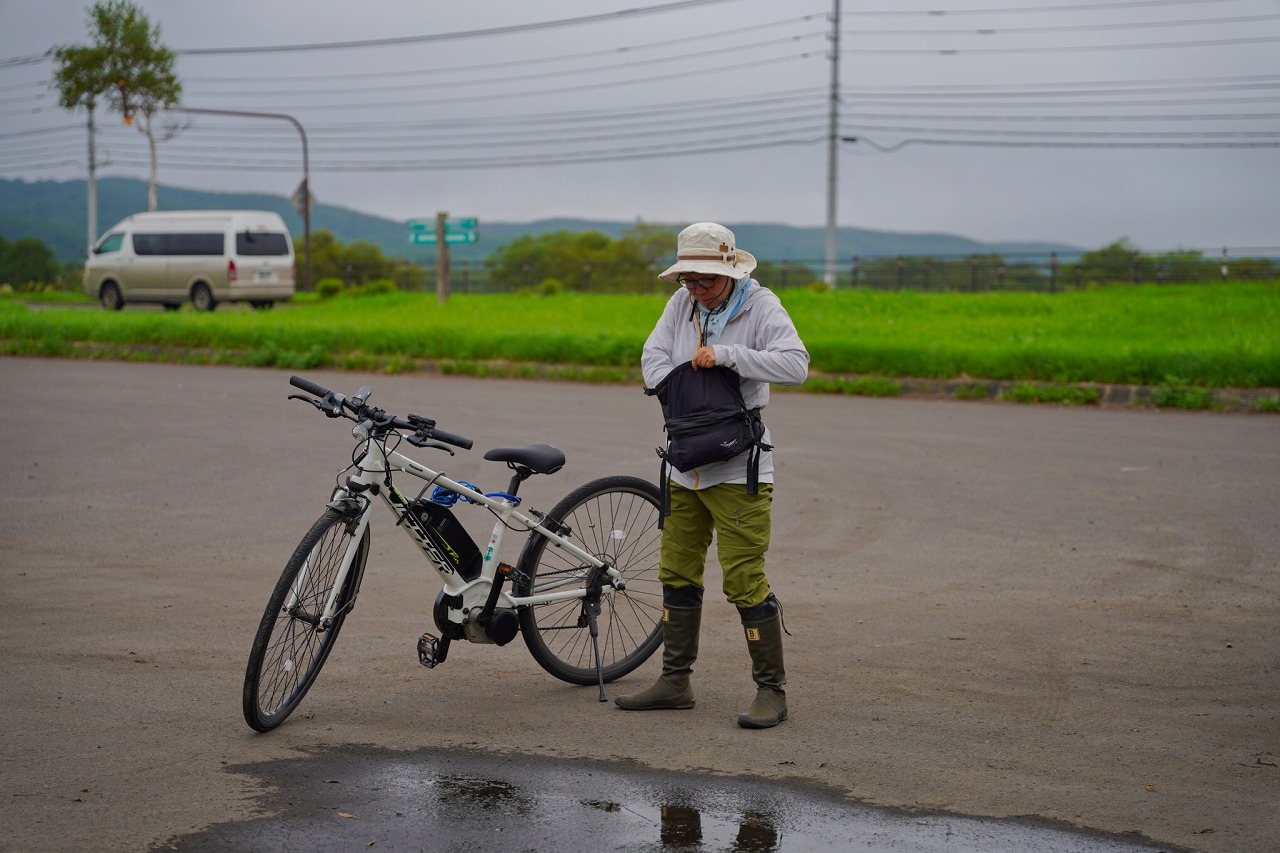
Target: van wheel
point(110, 297)
point(202, 298)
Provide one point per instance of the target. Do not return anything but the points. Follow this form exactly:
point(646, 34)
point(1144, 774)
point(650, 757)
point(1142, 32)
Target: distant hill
point(54, 211)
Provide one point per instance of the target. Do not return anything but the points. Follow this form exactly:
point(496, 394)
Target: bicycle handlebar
point(335, 403)
point(450, 438)
point(309, 386)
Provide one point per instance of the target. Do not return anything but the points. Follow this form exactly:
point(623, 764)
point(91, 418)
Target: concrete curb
point(1244, 400)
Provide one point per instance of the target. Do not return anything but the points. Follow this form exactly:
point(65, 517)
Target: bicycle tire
point(616, 519)
point(290, 648)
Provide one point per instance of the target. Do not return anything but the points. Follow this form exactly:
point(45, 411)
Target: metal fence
point(1049, 272)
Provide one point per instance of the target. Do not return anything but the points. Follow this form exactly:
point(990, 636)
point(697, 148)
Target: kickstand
point(592, 606)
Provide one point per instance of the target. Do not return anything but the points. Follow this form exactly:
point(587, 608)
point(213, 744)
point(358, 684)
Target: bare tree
point(127, 66)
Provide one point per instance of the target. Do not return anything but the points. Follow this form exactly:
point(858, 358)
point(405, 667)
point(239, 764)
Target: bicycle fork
point(356, 526)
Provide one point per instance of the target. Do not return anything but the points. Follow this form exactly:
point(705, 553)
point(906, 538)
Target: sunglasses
point(698, 283)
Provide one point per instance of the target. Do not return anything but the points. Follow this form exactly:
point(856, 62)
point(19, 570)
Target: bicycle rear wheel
point(293, 640)
point(616, 519)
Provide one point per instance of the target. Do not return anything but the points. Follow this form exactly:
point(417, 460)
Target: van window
point(109, 243)
point(178, 244)
point(261, 243)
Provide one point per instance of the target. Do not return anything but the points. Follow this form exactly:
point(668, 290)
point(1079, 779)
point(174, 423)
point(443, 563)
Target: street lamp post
point(306, 172)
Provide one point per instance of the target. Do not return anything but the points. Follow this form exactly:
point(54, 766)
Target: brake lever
point(307, 399)
point(434, 445)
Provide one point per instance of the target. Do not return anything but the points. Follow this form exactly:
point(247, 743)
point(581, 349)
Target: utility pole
point(833, 141)
point(92, 187)
point(442, 260)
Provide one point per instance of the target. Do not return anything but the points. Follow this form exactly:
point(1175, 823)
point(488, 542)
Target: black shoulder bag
point(706, 421)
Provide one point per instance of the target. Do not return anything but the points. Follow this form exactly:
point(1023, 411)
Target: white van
point(205, 256)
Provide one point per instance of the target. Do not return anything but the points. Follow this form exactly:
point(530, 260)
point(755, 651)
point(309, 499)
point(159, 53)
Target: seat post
point(520, 474)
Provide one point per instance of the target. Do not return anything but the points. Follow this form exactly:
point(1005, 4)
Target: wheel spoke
point(615, 519)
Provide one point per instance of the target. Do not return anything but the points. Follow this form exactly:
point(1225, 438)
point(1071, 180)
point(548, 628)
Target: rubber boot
point(679, 650)
point(763, 627)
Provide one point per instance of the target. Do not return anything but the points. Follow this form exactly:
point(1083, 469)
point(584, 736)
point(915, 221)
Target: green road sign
point(423, 238)
point(422, 232)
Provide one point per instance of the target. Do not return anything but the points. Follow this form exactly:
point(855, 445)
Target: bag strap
point(753, 453)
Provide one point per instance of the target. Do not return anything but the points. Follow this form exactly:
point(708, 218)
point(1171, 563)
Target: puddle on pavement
point(363, 797)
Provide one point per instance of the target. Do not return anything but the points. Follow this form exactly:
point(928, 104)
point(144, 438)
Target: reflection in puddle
point(756, 834)
point(680, 828)
point(463, 800)
point(485, 794)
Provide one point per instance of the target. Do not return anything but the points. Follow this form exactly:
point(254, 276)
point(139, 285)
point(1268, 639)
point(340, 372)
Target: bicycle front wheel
point(295, 637)
point(615, 519)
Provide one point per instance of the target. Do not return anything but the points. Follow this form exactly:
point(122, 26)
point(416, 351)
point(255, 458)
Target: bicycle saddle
point(538, 458)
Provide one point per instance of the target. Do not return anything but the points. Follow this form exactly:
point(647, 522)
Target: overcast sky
point(999, 120)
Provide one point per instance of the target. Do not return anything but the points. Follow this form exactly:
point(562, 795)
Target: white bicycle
point(589, 606)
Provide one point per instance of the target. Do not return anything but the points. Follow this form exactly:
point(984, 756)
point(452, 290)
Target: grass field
point(1222, 335)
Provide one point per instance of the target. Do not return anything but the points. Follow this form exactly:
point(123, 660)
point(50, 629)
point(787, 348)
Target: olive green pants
point(741, 523)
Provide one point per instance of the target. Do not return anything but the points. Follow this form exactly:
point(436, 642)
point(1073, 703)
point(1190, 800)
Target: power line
point(982, 143)
point(1062, 7)
point(453, 36)
point(1013, 105)
point(1074, 134)
point(919, 51)
point(914, 95)
point(29, 59)
point(182, 146)
point(1063, 28)
point(700, 38)
point(1076, 117)
point(769, 139)
point(952, 94)
point(534, 134)
point(32, 59)
point(43, 131)
point(1265, 79)
point(645, 114)
point(567, 72)
point(640, 112)
point(582, 87)
point(21, 99)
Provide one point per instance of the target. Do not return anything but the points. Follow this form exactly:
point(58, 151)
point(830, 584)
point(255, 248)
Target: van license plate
point(265, 275)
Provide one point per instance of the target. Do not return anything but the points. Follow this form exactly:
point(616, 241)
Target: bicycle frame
point(373, 476)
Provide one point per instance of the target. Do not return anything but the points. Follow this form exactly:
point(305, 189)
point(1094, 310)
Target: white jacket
point(760, 344)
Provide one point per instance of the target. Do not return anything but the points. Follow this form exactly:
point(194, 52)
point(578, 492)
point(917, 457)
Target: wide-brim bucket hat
point(709, 249)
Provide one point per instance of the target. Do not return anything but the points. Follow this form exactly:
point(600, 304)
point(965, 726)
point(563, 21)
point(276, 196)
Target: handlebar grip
point(450, 438)
point(309, 386)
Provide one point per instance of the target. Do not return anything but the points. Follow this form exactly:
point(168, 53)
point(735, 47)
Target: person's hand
point(704, 357)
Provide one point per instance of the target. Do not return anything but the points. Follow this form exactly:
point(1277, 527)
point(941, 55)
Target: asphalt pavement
point(1039, 620)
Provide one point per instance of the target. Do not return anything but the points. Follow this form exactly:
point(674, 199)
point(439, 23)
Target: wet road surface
point(366, 797)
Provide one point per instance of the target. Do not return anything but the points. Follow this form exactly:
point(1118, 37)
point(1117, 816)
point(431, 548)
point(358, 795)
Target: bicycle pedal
point(432, 650)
